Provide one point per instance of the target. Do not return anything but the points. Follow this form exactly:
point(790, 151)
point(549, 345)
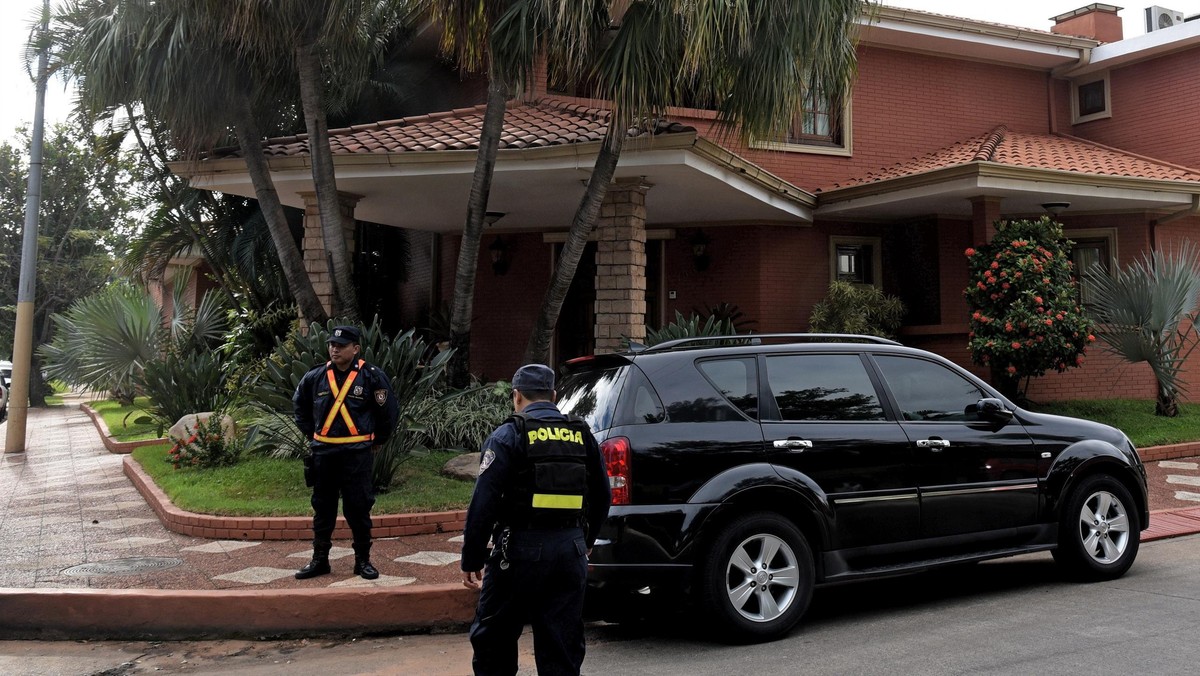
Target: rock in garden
point(465, 467)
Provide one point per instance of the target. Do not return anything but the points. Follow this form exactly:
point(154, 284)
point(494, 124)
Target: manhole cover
point(130, 566)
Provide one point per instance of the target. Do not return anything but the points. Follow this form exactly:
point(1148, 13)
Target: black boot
point(362, 562)
point(319, 564)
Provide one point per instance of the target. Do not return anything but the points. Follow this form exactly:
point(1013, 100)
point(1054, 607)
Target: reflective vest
point(339, 409)
point(551, 477)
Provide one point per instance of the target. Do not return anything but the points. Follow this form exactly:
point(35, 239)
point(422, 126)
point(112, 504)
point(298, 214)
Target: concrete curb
point(96, 614)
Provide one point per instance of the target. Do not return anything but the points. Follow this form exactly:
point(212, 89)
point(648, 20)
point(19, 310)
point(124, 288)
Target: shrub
point(206, 446)
point(1148, 312)
point(462, 420)
point(1025, 315)
point(694, 326)
point(180, 382)
point(400, 358)
point(863, 310)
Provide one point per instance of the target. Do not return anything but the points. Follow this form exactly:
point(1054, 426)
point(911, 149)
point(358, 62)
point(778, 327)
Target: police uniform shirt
point(370, 402)
point(498, 471)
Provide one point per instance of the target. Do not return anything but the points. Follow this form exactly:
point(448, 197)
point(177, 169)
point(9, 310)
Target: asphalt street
point(1002, 617)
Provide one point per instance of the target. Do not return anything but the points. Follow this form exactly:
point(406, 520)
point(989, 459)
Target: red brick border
point(110, 443)
point(1185, 450)
point(279, 527)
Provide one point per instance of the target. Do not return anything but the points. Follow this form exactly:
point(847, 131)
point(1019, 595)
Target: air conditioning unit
point(1158, 18)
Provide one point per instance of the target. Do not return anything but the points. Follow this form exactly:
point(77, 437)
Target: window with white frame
point(1090, 99)
point(855, 259)
point(1092, 247)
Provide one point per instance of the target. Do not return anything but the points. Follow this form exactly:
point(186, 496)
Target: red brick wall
point(1154, 110)
point(506, 306)
point(905, 105)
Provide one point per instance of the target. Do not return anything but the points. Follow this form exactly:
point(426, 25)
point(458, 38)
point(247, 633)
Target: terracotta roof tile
point(542, 123)
point(1057, 152)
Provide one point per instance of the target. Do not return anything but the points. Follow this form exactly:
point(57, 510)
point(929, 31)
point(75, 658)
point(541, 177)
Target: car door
point(823, 419)
point(974, 475)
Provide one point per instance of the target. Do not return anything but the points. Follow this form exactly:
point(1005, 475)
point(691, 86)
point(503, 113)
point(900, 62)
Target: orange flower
point(970, 251)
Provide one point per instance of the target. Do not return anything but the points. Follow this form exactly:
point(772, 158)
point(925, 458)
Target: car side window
point(925, 390)
point(822, 387)
point(736, 379)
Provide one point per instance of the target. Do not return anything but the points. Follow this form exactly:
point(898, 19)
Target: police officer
point(541, 496)
point(347, 409)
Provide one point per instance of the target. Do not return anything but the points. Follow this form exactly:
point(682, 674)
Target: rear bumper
point(646, 545)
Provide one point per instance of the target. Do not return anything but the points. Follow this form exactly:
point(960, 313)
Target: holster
point(310, 478)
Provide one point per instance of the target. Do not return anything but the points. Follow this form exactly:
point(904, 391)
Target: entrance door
point(575, 334)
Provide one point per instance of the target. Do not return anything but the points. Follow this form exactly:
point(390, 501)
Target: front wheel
point(1100, 530)
point(758, 578)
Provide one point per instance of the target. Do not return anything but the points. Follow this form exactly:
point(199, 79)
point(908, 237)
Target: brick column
point(621, 265)
point(985, 211)
point(313, 244)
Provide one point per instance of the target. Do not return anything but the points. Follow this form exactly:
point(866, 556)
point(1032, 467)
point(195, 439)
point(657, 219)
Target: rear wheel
point(1100, 531)
point(758, 578)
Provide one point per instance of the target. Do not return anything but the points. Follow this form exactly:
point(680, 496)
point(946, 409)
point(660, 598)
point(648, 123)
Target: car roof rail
point(757, 338)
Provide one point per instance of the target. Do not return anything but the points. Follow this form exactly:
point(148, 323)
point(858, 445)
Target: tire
point(1100, 530)
point(758, 579)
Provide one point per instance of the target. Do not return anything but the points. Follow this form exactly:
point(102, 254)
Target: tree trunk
point(272, 209)
point(345, 296)
point(1165, 403)
point(468, 250)
point(586, 216)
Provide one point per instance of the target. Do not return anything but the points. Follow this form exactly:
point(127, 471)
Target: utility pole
point(18, 399)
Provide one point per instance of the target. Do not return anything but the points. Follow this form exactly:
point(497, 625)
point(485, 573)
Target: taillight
point(616, 460)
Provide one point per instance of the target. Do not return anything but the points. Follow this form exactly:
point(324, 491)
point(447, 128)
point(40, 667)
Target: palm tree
point(507, 38)
point(167, 60)
point(329, 46)
point(1149, 312)
point(755, 59)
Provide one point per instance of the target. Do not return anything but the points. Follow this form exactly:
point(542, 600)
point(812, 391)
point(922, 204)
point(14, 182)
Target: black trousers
point(543, 586)
point(348, 474)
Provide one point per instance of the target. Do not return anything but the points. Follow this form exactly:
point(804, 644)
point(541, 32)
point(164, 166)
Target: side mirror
point(993, 409)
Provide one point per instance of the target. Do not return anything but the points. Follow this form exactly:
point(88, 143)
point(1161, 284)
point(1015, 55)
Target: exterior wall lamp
point(699, 242)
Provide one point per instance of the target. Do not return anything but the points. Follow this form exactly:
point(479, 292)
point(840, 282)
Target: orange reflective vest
point(339, 408)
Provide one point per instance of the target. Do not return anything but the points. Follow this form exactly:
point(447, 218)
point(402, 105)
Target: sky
point(18, 91)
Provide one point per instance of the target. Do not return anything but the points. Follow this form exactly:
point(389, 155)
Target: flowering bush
point(206, 446)
point(1025, 314)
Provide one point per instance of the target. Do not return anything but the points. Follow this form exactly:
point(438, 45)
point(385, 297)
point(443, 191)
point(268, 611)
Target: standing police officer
point(541, 496)
point(347, 409)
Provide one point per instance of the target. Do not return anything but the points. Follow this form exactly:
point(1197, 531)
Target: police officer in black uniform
point(347, 409)
point(541, 496)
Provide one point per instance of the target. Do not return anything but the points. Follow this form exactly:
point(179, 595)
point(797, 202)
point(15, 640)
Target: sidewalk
point(83, 554)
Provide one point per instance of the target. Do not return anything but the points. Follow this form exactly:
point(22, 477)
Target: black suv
point(748, 469)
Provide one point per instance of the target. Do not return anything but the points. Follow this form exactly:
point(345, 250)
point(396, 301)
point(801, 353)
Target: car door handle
point(793, 444)
point(935, 444)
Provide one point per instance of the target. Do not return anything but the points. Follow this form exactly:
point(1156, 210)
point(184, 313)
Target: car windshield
point(592, 395)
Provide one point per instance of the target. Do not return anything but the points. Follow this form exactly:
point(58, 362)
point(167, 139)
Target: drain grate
point(130, 566)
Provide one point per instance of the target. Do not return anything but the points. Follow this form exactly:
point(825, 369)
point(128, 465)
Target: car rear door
point(823, 419)
point(974, 475)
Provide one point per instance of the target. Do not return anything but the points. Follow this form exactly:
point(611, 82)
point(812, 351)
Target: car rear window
point(592, 394)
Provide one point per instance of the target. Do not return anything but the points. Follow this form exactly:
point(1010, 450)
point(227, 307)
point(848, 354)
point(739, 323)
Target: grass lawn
point(1135, 418)
point(120, 420)
point(259, 486)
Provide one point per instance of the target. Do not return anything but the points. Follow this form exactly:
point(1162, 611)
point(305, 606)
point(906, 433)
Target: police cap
point(534, 378)
point(344, 335)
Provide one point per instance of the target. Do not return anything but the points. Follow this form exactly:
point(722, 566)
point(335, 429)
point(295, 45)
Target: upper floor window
point(1090, 99)
point(822, 126)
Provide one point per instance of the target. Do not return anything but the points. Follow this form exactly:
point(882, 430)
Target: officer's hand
point(471, 579)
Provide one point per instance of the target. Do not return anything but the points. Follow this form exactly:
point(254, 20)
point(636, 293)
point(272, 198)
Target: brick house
point(950, 125)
